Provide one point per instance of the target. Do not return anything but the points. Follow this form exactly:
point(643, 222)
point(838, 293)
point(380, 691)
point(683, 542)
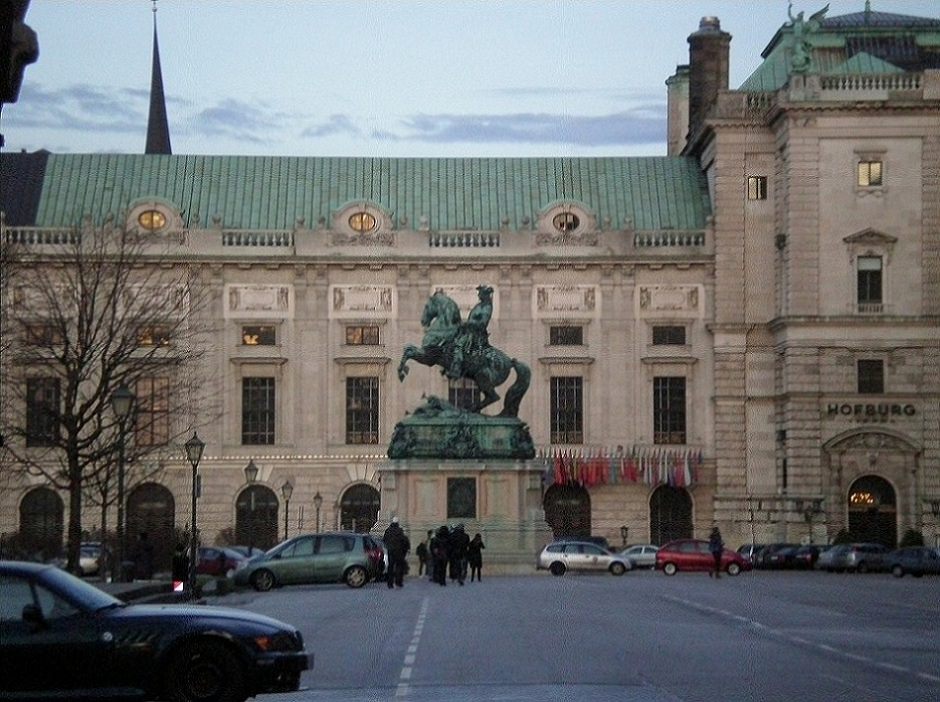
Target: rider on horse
point(472, 338)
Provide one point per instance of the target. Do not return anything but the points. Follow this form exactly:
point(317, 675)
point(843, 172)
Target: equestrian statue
point(463, 350)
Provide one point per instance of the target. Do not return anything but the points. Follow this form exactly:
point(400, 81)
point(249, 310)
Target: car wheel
point(557, 568)
point(262, 580)
point(670, 569)
point(206, 671)
point(733, 569)
point(617, 568)
point(897, 571)
point(862, 567)
point(356, 576)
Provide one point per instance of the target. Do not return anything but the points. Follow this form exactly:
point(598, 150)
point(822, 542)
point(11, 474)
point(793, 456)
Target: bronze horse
point(487, 367)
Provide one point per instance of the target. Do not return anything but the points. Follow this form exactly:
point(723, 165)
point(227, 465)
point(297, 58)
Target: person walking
point(439, 546)
point(475, 557)
point(422, 553)
point(717, 547)
point(398, 547)
point(458, 554)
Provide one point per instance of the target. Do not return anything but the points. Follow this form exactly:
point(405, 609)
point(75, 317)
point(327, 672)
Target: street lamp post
point(251, 474)
point(287, 489)
point(318, 503)
point(122, 404)
point(194, 449)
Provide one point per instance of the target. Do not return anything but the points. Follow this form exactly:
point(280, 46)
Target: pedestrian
point(458, 554)
point(439, 555)
point(475, 557)
point(717, 547)
point(422, 553)
point(143, 558)
point(180, 564)
point(398, 547)
point(430, 571)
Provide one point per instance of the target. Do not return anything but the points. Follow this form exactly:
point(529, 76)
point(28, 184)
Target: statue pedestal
point(437, 429)
point(500, 499)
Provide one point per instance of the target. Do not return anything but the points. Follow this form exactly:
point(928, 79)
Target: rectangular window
point(42, 411)
point(567, 410)
point(871, 377)
point(153, 335)
point(461, 498)
point(757, 187)
point(668, 410)
point(257, 411)
point(259, 335)
point(869, 284)
point(362, 410)
point(566, 336)
point(463, 393)
point(869, 173)
point(43, 335)
point(362, 335)
point(669, 336)
point(152, 419)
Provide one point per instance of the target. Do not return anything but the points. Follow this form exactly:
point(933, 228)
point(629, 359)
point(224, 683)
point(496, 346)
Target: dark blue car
point(914, 560)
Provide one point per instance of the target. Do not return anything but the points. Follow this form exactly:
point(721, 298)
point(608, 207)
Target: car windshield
point(83, 594)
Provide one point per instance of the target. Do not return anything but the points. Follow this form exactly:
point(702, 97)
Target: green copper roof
point(256, 192)
point(864, 64)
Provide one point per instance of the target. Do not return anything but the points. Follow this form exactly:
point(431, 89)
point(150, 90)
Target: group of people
point(445, 553)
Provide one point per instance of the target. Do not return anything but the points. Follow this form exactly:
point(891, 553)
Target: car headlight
point(281, 641)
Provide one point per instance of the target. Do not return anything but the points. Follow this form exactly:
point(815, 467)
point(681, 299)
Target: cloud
point(336, 124)
point(238, 119)
point(639, 126)
point(79, 107)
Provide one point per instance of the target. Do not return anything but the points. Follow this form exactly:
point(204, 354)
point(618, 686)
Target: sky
point(421, 78)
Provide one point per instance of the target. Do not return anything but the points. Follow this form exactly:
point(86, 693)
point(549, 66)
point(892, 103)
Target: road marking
point(403, 689)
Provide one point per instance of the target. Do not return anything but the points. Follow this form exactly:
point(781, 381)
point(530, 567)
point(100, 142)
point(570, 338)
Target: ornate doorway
point(568, 510)
point(359, 508)
point(873, 511)
point(256, 522)
point(670, 514)
point(41, 523)
point(151, 509)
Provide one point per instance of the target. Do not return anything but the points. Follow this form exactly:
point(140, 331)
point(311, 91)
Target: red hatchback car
point(693, 554)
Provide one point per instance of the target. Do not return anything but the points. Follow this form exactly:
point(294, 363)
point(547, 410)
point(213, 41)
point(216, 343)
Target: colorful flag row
point(675, 467)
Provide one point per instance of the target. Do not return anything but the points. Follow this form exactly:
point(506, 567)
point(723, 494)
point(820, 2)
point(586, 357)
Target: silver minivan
point(559, 557)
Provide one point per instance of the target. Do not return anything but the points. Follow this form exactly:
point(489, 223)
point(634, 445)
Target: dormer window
point(151, 220)
point(362, 222)
point(566, 222)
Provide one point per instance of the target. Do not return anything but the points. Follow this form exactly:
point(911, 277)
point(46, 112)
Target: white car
point(641, 555)
point(561, 556)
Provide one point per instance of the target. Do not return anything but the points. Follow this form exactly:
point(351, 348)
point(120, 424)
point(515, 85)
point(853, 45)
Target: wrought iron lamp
point(122, 404)
point(317, 504)
point(287, 489)
point(194, 448)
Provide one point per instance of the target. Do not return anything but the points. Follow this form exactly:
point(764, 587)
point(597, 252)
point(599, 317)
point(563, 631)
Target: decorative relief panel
point(466, 297)
point(261, 301)
point(566, 301)
point(362, 301)
point(670, 301)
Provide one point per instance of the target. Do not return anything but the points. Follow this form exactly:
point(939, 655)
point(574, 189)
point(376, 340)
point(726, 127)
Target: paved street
point(760, 636)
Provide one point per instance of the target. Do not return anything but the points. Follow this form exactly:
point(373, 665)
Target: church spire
point(158, 129)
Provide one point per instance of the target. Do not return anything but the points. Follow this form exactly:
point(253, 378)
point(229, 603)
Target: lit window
point(566, 222)
point(869, 173)
point(757, 187)
point(153, 336)
point(259, 335)
point(362, 222)
point(362, 335)
point(151, 220)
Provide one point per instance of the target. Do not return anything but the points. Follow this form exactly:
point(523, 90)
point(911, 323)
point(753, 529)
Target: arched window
point(872, 505)
point(670, 515)
point(41, 523)
point(256, 522)
point(359, 508)
point(151, 510)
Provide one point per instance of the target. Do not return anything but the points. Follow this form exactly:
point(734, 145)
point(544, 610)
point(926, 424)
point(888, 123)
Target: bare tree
point(92, 310)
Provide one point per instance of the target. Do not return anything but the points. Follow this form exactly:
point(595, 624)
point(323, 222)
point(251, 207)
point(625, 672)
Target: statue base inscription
point(438, 429)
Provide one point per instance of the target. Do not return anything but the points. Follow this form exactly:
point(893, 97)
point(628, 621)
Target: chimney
point(708, 69)
point(677, 106)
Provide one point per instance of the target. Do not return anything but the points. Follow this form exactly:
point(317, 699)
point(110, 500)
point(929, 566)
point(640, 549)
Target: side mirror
point(33, 615)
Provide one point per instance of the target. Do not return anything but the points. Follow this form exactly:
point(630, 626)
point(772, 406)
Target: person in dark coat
point(440, 546)
point(398, 546)
point(475, 557)
point(143, 558)
point(717, 547)
point(458, 554)
point(422, 553)
point(180, 564)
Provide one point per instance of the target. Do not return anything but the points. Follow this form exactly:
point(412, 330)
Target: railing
point(463, 240)
point(891, 81)
point(27, 236)
point(870, 308)
point(258, 238)
point(668, 238)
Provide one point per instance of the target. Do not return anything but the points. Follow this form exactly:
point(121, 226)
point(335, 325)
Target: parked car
point(641, 555)
point(219, 561)
point(855, 557)
point(247, 551)
point(750, 551)
point(763, 557)
point(91, 556)
point(805, 557)
point(598, 540)
point(144, 651)
point(693, 554)
point(559, 557)
point(914, 560)
point(780, 558)
point(334, 557)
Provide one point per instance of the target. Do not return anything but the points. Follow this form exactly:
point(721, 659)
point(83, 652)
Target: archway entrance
point(568, 510)
point(41, 523)
point(151, 509)
point(873, 511)
point(359, 508)
point(670, 514)
point(256, 520)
